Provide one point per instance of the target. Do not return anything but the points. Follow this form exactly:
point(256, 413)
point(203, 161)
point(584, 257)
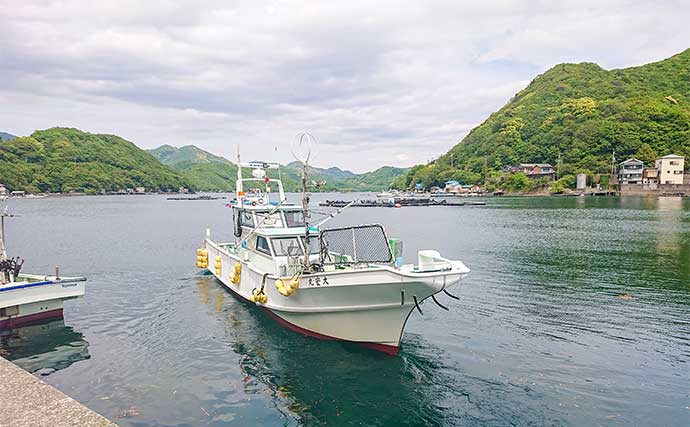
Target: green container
point(397, 251)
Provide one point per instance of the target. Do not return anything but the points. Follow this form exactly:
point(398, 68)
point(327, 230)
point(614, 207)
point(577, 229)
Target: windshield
point(286, 247)
point(294, 219)
point(273, 220)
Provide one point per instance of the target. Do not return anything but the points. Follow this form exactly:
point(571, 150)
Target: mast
point(305, 213)
point(239, 187)
point(302, 148)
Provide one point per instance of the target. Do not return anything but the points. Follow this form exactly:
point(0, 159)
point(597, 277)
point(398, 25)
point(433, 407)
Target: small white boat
point(28, 298)
point(345, 283)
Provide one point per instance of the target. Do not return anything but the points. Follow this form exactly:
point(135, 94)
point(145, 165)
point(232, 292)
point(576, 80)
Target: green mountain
point(332, 173)
point(4, 136)
point(170, 155)
point(378, 180)
point(64, 159)
point(581, 113)
point(207, 172)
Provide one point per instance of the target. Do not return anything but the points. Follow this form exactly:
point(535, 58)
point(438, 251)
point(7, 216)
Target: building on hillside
point(3, 190)
point(650, 176)
point(452, 186)
point(419, 187)
point(436, 189)
point(671, 169)
point(630, 172)
point(475, 189)
point(455, 187)
point(537, 170)
point(532, 170)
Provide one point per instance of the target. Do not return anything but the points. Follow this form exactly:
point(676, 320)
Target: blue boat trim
point(28, 285)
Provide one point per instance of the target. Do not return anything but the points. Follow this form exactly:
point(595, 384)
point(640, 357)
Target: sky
point(377, 83)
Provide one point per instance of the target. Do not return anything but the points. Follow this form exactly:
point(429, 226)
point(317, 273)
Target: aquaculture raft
point(398, 202)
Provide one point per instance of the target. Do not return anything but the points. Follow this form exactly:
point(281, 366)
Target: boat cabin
point(272, 234)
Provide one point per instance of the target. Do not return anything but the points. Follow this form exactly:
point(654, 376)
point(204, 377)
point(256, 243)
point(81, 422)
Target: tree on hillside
point(646, 154)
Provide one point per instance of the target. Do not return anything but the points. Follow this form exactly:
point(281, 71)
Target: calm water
point(576, 313)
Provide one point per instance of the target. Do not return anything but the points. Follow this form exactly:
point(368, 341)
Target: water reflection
point(668, 234)
point(44, 348)
point(313, 382)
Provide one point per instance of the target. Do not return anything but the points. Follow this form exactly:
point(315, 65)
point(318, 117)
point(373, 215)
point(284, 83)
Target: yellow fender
point(235, 278)
point(202, 258)
point(258, 296)
point(282, 289)
point(287, 289)
point(218, 265)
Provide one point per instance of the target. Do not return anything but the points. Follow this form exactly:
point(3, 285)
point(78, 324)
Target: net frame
point(347, 241)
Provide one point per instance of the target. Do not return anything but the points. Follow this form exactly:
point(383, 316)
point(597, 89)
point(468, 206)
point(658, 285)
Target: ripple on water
point(575, 313)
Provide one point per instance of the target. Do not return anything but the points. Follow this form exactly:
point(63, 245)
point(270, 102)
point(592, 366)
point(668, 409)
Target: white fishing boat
point(28, 298)
point(345, 283)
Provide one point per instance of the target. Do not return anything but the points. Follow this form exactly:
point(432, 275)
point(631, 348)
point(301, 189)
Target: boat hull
point(33, 301)
point(365, 306)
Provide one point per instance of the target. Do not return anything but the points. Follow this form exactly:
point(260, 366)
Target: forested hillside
point(64, 159)
point(60, 160)
point(581, 113)
point(208, 172)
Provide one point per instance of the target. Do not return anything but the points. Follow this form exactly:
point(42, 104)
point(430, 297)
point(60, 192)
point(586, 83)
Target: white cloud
point(377, 83)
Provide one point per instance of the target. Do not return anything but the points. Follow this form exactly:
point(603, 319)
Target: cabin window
point(294, 219)
point(286, 247)
point(246, 219)
point(273, 220)
point(262, 245)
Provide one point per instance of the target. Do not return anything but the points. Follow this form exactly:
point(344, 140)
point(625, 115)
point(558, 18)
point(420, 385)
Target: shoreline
point(36, 403)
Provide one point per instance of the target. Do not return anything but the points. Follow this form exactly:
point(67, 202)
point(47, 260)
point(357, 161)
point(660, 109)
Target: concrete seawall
point(654, 189)
point(27, 401)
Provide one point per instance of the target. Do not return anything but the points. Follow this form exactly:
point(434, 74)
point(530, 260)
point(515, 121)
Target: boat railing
point(361, 244)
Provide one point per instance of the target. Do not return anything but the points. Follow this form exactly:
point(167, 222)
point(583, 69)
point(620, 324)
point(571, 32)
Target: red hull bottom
point(14, 322)
point(387, 349)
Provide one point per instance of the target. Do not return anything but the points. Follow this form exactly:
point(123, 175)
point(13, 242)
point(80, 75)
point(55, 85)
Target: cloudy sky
point(378, 83)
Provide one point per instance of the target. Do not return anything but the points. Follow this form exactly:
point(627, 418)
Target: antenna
point(613, 170)
point(302, 149)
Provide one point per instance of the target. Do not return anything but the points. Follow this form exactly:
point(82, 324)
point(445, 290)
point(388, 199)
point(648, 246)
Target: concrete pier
point(26, 401)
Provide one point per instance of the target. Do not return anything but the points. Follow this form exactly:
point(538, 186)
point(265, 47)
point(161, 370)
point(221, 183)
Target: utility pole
point(613, 169)
point(558, 166)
